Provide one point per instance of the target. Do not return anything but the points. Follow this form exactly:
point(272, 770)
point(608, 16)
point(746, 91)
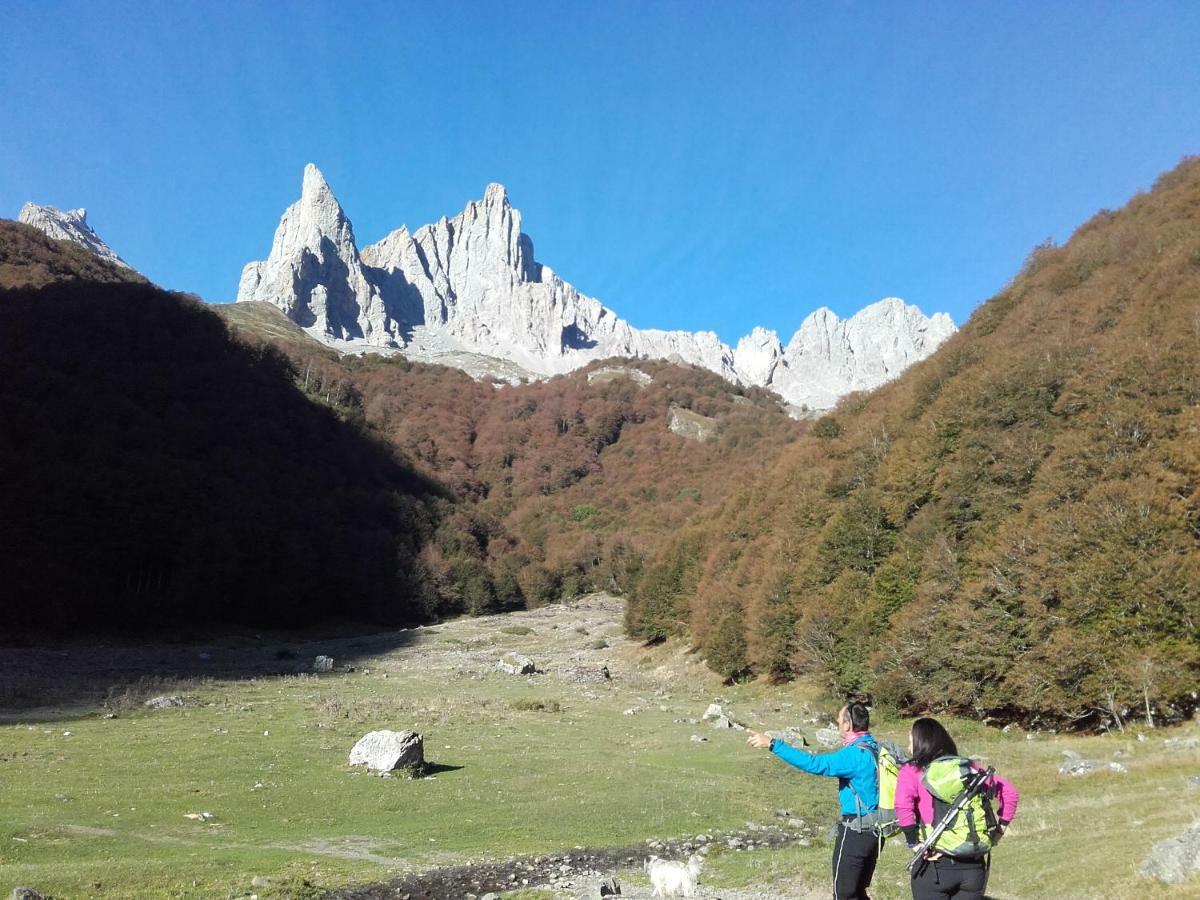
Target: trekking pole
point(973, 788)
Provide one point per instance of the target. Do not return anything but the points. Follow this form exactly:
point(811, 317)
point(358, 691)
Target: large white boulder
point(385, 751)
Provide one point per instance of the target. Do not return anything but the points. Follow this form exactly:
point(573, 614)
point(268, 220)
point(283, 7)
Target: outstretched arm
point(835, 765)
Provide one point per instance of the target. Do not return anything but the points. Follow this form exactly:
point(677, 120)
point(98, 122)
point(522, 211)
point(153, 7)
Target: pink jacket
point(914, 804)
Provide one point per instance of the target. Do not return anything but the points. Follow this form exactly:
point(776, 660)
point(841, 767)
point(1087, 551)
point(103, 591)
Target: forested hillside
point(565, 484)
point(1010, 529)
point(30, 259)
point(156, 470)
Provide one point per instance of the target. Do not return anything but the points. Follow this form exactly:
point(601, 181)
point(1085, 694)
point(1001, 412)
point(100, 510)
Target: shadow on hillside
point(159, 478)
point(63, 680)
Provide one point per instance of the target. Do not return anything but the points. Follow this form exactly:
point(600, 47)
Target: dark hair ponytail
point(929, 741)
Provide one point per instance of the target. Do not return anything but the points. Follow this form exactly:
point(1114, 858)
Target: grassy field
point(94, 806)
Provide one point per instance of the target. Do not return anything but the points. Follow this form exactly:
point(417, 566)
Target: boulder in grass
point(714, 711)
point(828, 737)
point(386, 751)
point(163, 702)
point(1176, 859)
point(25, 893)
point(516, 664)
point(323, 664)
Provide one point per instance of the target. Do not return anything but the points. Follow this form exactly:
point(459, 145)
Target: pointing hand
point(759, 740)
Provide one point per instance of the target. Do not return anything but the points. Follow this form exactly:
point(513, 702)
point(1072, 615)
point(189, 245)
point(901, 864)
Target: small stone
point(1182, 743)
point(516, 664)
point(260, 881)
point(25, 893)
point(714, 711)
point(1076, 768)
point(697, 739)
point(166, 701)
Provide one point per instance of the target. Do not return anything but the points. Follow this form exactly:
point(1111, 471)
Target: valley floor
point(528, 771)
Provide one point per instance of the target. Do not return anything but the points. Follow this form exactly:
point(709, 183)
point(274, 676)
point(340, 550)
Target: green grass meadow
point(100, 812)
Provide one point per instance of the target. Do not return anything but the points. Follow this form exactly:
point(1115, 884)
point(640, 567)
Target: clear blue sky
point(693, 165)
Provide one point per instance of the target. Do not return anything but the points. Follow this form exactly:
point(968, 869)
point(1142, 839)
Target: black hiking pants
point(854, 857)
point(950, 878)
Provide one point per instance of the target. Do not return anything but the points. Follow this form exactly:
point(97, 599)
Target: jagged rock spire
point(314, 273)
point(470, 284)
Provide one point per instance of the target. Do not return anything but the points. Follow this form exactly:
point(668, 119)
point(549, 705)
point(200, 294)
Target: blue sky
point(693, 165)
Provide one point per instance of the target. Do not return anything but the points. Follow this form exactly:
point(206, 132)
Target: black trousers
point(854, 857)
point(944, 878)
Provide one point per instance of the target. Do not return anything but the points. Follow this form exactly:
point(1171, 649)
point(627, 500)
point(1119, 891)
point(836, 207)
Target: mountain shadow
point(156, 474)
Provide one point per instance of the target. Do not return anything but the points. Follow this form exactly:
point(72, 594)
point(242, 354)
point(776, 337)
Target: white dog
point(670, 878)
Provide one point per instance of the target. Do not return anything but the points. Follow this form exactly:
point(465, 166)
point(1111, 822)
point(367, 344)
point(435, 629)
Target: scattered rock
point(260, 881)
point(200, 816)
point(516, 664)
point(794, 736)
point(1176, 859)
point(714, 711)
point(1078, 767)
point(26, 893)
point(610, 888)
point(697, 739)
point(166, 701)
point(632, 711)
point(323, 664)
point(386, 751)
point(1182, 743)
point(828, 737)
point(692, 425)
point(721, 722)
point(588, 674)
point(612, 373)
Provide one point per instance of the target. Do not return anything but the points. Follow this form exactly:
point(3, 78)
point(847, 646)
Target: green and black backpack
point(888, 760)
point(969, 832)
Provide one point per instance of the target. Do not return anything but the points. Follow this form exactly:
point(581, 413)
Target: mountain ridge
point(68, 225)
point(471, 284)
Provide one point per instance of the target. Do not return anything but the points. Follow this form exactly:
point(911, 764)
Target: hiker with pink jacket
point(926, 789)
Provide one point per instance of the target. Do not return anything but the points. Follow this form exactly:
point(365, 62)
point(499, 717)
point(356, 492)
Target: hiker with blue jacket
point(856, 848)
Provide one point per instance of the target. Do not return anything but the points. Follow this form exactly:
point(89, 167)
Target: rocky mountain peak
point(314, 272)
point(468, 288)
point(315, 187)
point(68, 225)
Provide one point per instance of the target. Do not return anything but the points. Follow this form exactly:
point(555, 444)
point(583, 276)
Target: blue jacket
point(854, 767)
